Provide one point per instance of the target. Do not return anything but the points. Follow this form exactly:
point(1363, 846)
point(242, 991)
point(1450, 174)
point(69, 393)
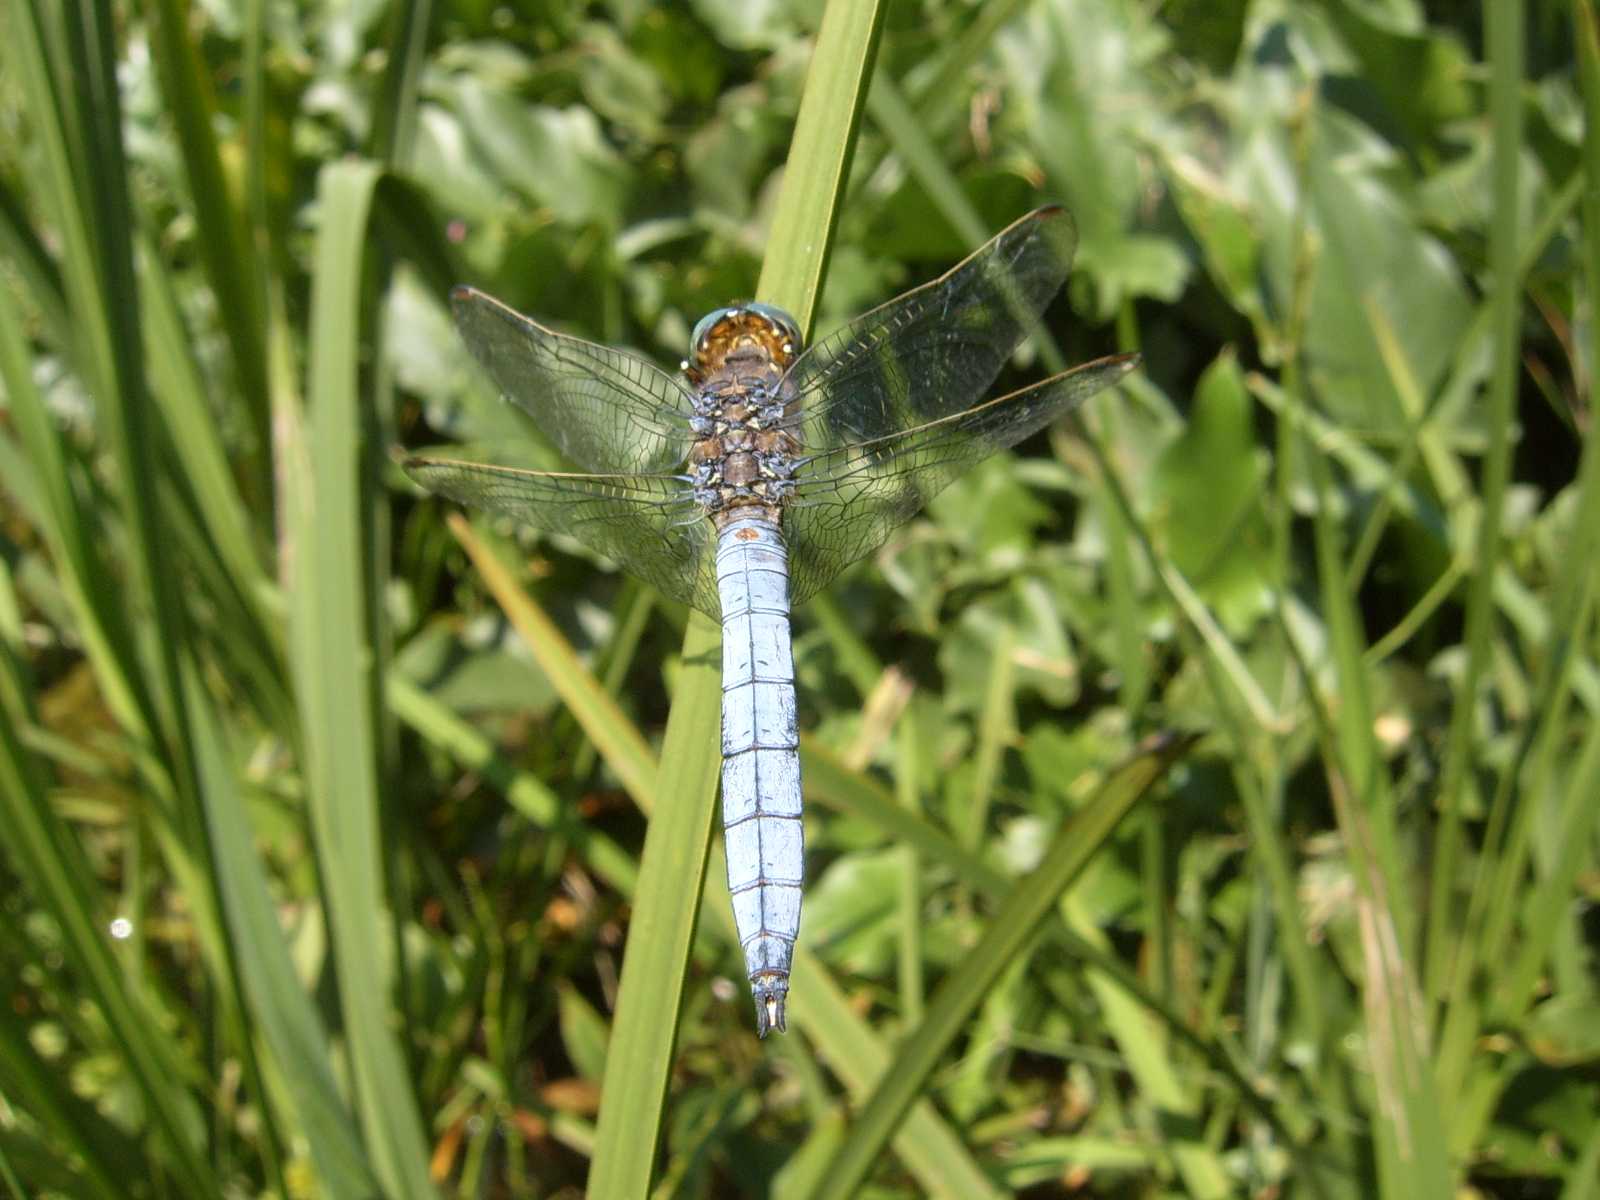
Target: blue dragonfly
point(750, 482)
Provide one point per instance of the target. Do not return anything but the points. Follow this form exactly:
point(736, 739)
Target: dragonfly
point(746, 483)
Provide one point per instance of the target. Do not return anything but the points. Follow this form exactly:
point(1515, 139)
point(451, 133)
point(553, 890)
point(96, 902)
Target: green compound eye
point(781, 320)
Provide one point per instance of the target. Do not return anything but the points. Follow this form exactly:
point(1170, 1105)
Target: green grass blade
point(856, 658)
point(608, 727)
point(1574, 594)
point(819, 158)
point(634, 1090)
point(829, 780)
point(1583, 1182)
point(108, 306)
point(204, 508)
point(1011, 931)
point(939, 95)
point(995, 731)
point(528, 795)
point(39, 279)
point(1146, 1052)
point(69, 529)
point(106, 1159)
point(905, 132)
point(636, 605)
point(228, 255)
point(281, 1010)
point(99, 609)
point(46, 854)
point(931, 1150)
point(180, 391)
point(110, 355)
point(334, 669)
point(395, 115)
point(81, 131)
point(1503, 25)
point(1411, 1152)
point(106, 301)
point(1547, 908)
point(130, 430)
point(910, 942)
point(666, 909)
point(1459, 949)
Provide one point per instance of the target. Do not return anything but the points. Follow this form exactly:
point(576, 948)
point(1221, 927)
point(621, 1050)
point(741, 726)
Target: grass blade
point(617, 738)
point(334, 670)
point(634, 1089)
point(1013, 927)
point(436, 723)
point(279, 1006)
point(227, 253)
point(932, 1151)
point(47, 855)
point(1412, 1159)
point(995, 731)
point(672, 874)
point(1145, 1050)
point(819, 158)
point(1503, 25)
point(105, 630)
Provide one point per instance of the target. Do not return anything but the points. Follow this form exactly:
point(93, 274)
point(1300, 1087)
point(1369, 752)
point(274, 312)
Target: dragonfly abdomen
point(760, 756)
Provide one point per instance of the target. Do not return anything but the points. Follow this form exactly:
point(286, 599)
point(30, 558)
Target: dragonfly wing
point(847, 501)
point(935, 350)
point(647, 524)
point(606, 410)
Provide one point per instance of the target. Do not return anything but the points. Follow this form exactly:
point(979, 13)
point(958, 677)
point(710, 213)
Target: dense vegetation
point(322, 808)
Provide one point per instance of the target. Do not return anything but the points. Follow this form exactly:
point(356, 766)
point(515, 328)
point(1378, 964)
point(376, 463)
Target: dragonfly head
point(745, 335)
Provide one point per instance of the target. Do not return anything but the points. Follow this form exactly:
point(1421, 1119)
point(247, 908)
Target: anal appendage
point(769, 998)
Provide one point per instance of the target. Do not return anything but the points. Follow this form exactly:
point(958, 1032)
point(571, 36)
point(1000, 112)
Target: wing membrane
point(609, 412)
point(848, 500)
point(934, 351)
point(648, 524)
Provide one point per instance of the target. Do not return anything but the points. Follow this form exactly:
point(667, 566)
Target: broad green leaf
point(1207, 491)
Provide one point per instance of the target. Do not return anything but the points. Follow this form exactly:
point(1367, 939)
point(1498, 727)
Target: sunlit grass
point(367, 801)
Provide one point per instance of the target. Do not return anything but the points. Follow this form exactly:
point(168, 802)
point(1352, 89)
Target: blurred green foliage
point(316, 886)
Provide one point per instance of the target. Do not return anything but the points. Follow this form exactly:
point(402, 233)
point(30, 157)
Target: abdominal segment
point(760, 757)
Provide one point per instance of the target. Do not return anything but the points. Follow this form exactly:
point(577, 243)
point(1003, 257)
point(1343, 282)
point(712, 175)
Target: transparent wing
point(647, 524)
point(608, 411)
point(933, 351)
point(847, 501)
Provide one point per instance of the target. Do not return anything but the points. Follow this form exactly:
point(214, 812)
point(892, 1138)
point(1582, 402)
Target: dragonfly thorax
point(744, 457)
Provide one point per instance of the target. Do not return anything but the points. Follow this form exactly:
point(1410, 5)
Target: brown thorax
point(743, 458)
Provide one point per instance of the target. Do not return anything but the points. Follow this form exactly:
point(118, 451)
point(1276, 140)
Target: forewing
point(647, 524)
point(846, 502)
point(934, 351)
point(608, 411)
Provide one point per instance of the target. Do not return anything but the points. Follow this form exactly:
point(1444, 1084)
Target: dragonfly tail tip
point(769, 1013)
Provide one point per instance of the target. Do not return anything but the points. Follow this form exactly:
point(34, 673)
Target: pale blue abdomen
point(760, 757)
